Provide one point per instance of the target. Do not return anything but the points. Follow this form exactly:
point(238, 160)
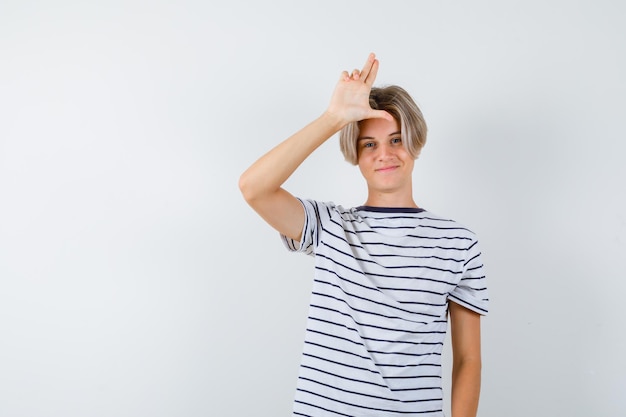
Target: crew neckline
point(390, 209)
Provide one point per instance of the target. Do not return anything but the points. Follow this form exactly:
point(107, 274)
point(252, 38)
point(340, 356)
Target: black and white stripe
point(378, 313)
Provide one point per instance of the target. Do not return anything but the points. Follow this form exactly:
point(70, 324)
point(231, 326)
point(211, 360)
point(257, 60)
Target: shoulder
point(329, 209)
point(439, 222)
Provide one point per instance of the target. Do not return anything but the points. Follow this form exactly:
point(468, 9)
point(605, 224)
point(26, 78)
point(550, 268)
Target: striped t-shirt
point(378, 311)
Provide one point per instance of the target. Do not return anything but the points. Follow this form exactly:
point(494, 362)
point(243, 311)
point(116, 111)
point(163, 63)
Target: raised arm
point(261, 184)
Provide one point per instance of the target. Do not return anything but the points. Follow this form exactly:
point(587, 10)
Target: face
point(383, 160)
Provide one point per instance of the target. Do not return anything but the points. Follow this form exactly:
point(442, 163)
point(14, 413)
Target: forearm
point(465, 387)
point(270, 171)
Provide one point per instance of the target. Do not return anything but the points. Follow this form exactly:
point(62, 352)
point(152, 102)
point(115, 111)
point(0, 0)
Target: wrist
point(333, 120)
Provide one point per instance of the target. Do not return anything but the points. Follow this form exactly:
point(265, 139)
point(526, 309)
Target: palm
point(350, 100)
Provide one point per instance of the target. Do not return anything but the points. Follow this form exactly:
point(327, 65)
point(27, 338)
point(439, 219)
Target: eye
point(368, 145)
point(396, 141)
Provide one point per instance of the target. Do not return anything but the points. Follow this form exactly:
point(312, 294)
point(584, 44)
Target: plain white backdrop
point(134, 280)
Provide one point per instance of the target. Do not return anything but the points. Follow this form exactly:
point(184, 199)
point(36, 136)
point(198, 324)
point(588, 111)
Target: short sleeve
point(471, 291)
point(310, 230)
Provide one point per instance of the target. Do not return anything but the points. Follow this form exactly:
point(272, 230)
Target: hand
point(350, 100)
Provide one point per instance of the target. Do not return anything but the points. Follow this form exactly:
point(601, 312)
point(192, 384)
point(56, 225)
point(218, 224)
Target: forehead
point(377, 128)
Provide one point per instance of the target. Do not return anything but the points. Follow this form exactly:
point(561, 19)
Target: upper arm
point(465, 333)
point(466, 361)
point(282, 211)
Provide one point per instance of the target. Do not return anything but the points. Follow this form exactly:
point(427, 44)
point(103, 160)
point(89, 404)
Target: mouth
point(387, 169)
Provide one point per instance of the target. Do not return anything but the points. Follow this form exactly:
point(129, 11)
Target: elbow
point(468, 365)
point(245, 188)
point(467, 359)
point(256, 188)
point(251, 188)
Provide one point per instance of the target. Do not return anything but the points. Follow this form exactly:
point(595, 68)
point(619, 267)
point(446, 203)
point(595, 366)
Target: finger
point(371, 76)
point(356, 74)
point(380, 114)
point(344, 76)
point(367, 67)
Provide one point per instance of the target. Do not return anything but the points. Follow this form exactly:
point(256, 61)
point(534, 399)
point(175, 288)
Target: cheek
point(362, 166)
point(359, 158)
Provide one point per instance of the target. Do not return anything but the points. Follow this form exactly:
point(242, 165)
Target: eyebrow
point(371, 137)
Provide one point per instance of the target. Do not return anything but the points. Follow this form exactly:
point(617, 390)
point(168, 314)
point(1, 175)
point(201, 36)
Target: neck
point(380, 199)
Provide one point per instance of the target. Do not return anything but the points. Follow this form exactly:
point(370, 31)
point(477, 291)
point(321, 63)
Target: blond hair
point(397, 102)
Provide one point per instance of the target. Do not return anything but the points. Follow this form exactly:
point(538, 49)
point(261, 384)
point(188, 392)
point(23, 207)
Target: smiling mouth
point(387, 169)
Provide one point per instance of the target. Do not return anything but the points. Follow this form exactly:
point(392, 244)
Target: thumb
point(380, 114)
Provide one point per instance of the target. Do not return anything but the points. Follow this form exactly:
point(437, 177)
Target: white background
point(134, 280)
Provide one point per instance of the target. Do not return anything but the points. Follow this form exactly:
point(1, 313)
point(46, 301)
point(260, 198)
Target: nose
point(385, 151)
